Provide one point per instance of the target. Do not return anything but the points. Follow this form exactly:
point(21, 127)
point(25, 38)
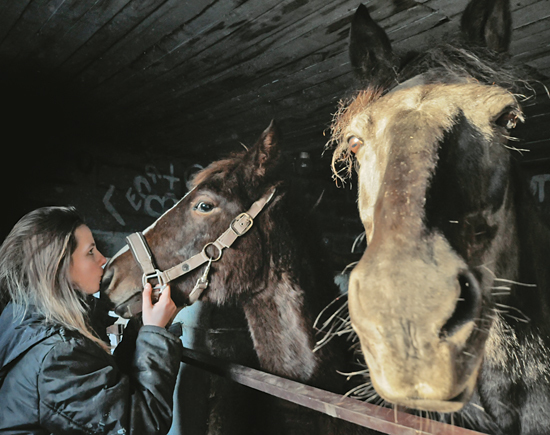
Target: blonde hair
point(35, 260)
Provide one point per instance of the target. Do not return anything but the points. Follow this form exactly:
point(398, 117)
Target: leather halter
point(144, 257)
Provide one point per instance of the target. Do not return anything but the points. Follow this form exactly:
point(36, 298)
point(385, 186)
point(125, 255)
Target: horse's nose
point(106, 279)
point(468, 306)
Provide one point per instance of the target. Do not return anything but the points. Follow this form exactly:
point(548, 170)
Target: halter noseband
point(143, 256)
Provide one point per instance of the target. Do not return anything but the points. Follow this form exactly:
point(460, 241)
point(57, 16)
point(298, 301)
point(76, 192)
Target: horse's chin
point(130, 307)
point(443, 406)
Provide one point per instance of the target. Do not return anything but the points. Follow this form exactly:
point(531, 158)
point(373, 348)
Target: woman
point(56, 375)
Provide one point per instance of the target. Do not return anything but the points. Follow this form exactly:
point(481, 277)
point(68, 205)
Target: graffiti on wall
point(538, 183)
point(152, 193)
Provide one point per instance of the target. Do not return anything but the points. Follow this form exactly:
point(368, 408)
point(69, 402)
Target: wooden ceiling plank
point(449, 8)
point(115, 29)
point(192, 57)
point(168, 26)
point(274, 68)
point(273, 73)
point(420, 19)
point(280, 109)
point(52, 32)
point(531, 29)
point(26, 30)
point(79, 35)
point(10, 14)
point(263, 92)
point(542, 61)
point(198, 35)
point(186, 84)
point(531, 46)
point(422, 24)
point(531, 14)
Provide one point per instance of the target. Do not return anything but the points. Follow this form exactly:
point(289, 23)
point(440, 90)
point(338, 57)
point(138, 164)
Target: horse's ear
point(264, 156)
point(488, 23)
point(370, 51)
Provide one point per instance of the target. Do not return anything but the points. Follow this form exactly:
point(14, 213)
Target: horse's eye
point(203, 207)
point(508, 120)
point(354, 144)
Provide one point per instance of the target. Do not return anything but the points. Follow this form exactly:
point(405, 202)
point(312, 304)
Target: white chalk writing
point(537, 185)
point(152, 193)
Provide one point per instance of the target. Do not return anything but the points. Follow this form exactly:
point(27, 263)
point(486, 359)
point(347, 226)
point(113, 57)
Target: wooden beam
point(385, 420)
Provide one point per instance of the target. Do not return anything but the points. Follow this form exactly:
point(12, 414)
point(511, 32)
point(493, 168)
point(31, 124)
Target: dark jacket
point(57, 381)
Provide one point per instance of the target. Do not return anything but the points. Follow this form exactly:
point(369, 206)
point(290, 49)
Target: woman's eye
point(203, 207)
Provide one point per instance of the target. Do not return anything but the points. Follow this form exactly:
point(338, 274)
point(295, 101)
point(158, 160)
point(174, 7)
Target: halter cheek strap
point(144, 257)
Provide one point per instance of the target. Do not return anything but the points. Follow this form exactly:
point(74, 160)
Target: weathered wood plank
point(151, 61)
point(53, 30)
point(27, 28)
point(10, 13)
point(80, 32)
point(385, 420)
point(531, 46)
point(190, 66)
point(256, 62)
point(531, 14)
point(293, 73)
point(117, 26)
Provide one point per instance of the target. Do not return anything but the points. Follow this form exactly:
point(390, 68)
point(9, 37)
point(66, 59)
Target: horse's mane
point(445, 63)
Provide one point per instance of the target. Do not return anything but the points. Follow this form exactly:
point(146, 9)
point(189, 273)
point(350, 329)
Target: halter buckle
point(241, 224)
point(156, 274)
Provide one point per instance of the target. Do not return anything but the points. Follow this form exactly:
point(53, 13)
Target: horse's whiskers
point(357, 240)
point(515, 309)
point(501, 287)
point(515, 282)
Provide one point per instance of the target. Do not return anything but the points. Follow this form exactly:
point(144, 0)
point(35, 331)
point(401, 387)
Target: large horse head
point(430, 139)
point(221, 192)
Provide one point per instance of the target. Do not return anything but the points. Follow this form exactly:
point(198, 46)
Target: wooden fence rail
point(385, 420)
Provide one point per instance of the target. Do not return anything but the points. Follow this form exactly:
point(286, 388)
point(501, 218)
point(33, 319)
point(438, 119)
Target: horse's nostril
point(468, 305)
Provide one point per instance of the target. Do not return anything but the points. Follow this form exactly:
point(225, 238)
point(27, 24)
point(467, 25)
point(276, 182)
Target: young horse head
point(268, 271)
point(447, 244)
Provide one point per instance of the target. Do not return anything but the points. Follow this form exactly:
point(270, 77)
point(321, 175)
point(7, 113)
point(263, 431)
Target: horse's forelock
point(232, 177)
point(218, 170)
point(347, 111)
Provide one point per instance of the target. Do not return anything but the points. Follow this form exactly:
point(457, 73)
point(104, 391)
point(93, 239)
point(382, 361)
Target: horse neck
point(534, 250)
point(282, 330)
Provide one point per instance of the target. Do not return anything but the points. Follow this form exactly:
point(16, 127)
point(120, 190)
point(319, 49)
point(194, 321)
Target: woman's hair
point(35, 261)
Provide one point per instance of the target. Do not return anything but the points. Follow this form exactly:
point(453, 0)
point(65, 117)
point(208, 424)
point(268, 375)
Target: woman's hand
point(161, 313)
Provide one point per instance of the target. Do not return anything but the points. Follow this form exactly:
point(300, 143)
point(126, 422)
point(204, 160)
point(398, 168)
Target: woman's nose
point(103, 260)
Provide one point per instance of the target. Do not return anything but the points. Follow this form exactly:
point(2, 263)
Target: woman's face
point(87, 262)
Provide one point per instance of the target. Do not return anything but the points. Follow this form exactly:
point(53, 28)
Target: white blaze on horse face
point(372, 158)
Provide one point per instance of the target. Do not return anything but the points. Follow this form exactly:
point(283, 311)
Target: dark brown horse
point(451, 297)
point(273, 273)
